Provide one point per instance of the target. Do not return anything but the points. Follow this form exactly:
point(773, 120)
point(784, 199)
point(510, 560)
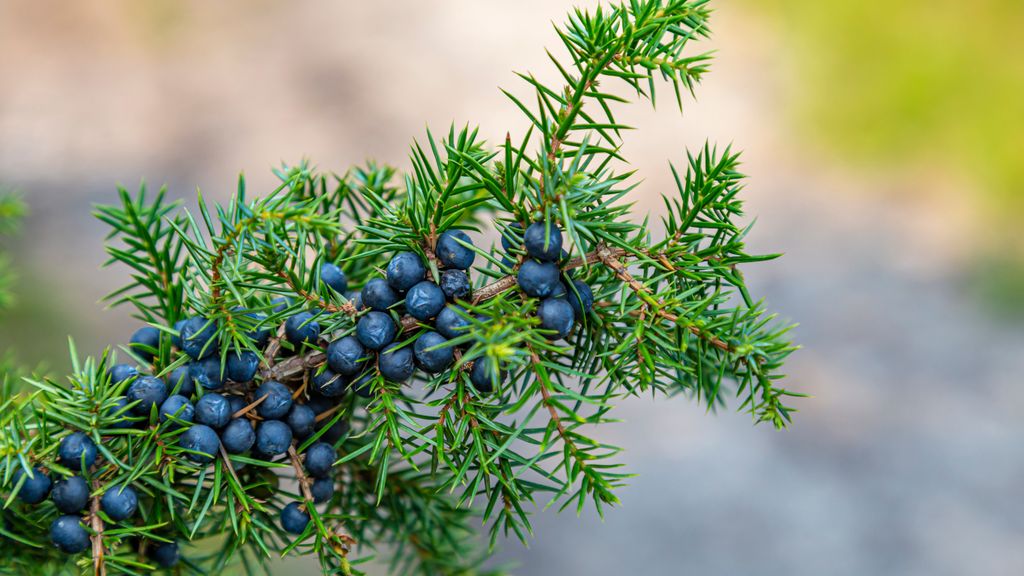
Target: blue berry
point(207, 373)
point(320, 459)
point(455, 284)
point(166, 554)
point(433, 361)
point(302, 329)
point(543, 242)
point(483, 377)
point(273, 437)
point(336, 429)
point(404, 270)
point(121, 372)
point(70, 495)
point(376, 330)
point(179, 381)
point(556, 315)
point(120, 503)
point(333, 277)
point(424, 300)
point(238, 436)
point(75, 448)
point(241, 367)
point(451, 253)
point(280, 304)
point(379, 295)
point(302, 420)
point(237, 403)
point(177, 406)
point(36, 487)
point(322, 490)
point(363, 386)
point(450, 323)
point(560, 291)
point(347, 356)
point(293, 519)
point(145, 343)
point(396, 364)
point(121, 414)
point(176, 338)
point(198, 338)
point(213, 410)
point(512, 236)
point(356, 298)
point(202, 443)
point(329, 384)
point(259, 335)
point(538, 279)
point(69, 535)
point(581, 298)
point(278, 402)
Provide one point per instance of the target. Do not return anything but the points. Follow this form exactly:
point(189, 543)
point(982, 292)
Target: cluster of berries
point(266, 422)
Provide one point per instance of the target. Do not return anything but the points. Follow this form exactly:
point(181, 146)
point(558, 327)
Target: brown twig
point(98, 564)
point(300, 475)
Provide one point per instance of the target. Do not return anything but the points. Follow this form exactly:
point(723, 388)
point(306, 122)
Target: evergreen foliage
point(499, 415)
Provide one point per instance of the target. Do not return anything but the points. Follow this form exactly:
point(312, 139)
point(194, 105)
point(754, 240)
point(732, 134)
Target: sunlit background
point(884, 143)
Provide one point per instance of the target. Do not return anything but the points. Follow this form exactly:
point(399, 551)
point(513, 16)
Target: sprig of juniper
point(422, 462)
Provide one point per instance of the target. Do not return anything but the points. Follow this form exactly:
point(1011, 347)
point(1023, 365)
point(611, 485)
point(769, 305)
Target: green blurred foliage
point(934, 81)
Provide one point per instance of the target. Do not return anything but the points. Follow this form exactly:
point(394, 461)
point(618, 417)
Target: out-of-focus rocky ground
point(907, 459)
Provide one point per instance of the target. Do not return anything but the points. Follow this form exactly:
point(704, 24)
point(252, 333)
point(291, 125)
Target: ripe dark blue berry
point(333, 277)
point(397, 364)
point(302, 420)
point(213, 410)
point(120, 503)
point(70, 495)
point(198, 338)
point(356, 298)
point(177, 406)
point(336, 429)
point(581, 298)
point(363, 386)
point(273, 437)
point(376, 330)
point(560, 291)
point(36, 488)
point(145, 343)
point(241, 367)
point(202, 443)
point(236, 403)
point(75, 448)
point(69, 535)
point(279, 305)
point(424, 300)
point(329, 384)
point(179, 381)
point(293, 519)
point(347, 356)
point(538, 279)
point(451, 322)
point(176, 338)
point(121, 414)
point(379, 295)
point(320, 459)
point(322, 490)
point(512, 236)
point(238, 436)
point(207, 373)
point(166, 554)
point(121, 372)
point(543, 242)
point(436, 360)
point(302, 329)
point(483, 376)
point(259, 335)
point(451, 253)
point(404, 270)
point(455, 284)
point(556, 314)
point(278, 402)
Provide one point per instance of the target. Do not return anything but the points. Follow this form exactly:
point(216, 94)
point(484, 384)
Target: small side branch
point(98, 564)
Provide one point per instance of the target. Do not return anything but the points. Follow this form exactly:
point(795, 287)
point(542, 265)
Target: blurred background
point(884, 145)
